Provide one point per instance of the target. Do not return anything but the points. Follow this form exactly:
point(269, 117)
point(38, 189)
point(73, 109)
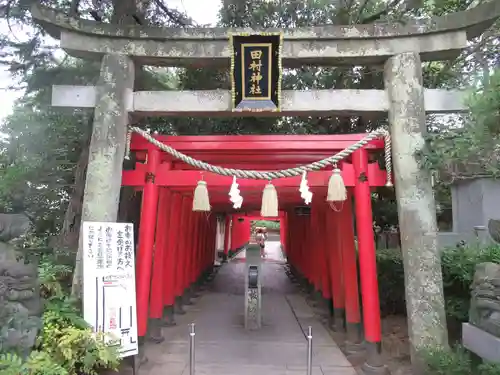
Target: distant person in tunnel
point(260, 237)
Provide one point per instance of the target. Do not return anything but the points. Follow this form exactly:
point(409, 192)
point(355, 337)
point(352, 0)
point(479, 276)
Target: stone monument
point(494, 230)
point(474, 204)
point(253, 288)
point(482, 334)
point(20, 315)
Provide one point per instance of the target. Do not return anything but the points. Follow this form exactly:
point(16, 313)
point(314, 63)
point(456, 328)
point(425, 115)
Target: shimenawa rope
point(336, 188)
point(271, 175)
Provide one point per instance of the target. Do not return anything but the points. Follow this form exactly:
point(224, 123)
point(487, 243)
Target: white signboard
point(109, 299)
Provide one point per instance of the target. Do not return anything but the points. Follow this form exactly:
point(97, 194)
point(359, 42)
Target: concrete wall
point(474, 203)
point(467, 205)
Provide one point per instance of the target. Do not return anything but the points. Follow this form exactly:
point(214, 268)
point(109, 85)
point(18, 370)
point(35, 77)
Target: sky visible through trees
point(203, 12)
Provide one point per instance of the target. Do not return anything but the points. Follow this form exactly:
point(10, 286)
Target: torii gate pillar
point(416, 205)
point(107, 147)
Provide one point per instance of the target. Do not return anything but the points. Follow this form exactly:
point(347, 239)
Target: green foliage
point(38, 363)
point(272, 225)
point(391, 281)
point(65, 336)
point(456, 152)
point(50, 275)
point(65, 345)
point(458, 266)
point(69, 341)
point(488, 369)
point(442, 361)
point(456, 361)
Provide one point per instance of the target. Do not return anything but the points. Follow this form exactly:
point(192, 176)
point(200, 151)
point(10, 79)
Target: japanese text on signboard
point(256, 69)
point(109, 283)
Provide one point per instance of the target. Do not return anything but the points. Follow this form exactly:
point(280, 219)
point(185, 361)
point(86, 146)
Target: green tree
point(473, 149)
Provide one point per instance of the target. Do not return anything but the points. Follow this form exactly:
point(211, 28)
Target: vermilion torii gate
point(320, 247)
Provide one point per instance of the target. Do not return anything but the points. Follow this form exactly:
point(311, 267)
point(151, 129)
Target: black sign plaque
point(302, 210)
point(256, 71)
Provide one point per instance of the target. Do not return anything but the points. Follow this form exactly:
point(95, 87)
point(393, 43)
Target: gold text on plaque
point(256, 67)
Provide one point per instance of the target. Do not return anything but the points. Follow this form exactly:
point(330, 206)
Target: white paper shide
point(109, 301)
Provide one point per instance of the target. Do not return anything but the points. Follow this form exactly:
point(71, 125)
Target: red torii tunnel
point(236, 231)
point(176, 246)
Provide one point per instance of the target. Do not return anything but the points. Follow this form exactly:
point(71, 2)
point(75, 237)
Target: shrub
point(442, 361)
point(70, 342)
point(456, 361)
point(38, 363)
point(488, 369)
point(65, 345)
point(50, 275)
point(270, 225)
point(391, 281)
point(458, 266)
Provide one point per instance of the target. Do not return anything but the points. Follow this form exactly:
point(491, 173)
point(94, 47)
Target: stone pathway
point(224, 347)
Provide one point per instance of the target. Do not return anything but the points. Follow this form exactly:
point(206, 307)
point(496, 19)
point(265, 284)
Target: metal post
point(309, 351)
point(191, 348)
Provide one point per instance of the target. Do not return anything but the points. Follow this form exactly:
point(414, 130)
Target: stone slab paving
point(224, 347)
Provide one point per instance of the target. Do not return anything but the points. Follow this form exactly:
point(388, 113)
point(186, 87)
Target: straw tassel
point(269, 206)
point(336, 187)
point(201, 201)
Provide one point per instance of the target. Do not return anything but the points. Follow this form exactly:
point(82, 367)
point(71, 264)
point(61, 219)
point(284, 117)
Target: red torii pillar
point(158, 280)
point(211, 243)
point(195, 269)
point(297, 239)
point(306, 258)
point(181, 254)
point(227, 236)
point(335, 265)
point(350, 278)
point(171, 259)
point(146, 241)
point(314, 241)
point(188, 249)
point(367, 261)
point(326, 274)
point(290, 248)
point(206, 241)
point(283, 231)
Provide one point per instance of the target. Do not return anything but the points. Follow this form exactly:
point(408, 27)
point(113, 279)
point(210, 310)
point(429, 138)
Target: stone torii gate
point(400, 48)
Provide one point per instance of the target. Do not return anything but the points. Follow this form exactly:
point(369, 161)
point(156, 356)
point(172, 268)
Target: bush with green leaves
point(458, 266)
point(268, 224)
point(38, 363)
point(51, 275)
point(456, 361)
point(458, 273)
point(65, 345)
point(391, 281)
point(471, 150)
point(71, 342)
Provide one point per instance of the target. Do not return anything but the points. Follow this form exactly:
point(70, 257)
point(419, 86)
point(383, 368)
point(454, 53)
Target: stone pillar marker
point(253, 292)
point(416, 206)
point(107, 146)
